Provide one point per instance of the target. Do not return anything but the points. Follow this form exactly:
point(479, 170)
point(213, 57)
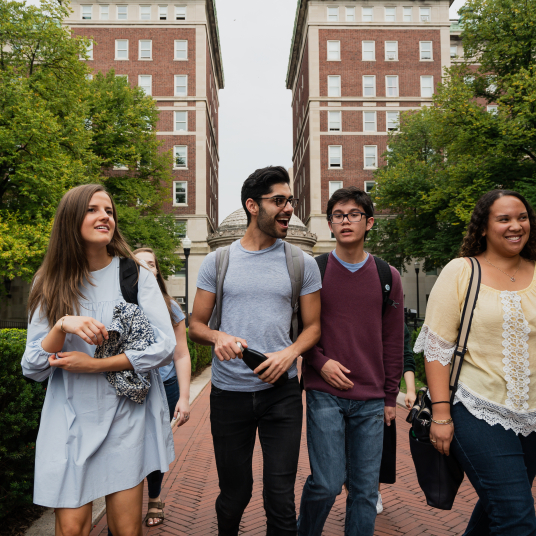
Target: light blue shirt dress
point(92, 442)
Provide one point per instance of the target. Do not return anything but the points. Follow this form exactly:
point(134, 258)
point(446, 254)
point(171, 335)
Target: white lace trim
point(435, 348)
point(523, 422)
point(516, 352)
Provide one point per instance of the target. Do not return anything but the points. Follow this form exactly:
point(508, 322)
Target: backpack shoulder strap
point(296, 271)
point(222, 263)
point(322, 261)
point(465, 326)
point(128, 279)
point(386, 281)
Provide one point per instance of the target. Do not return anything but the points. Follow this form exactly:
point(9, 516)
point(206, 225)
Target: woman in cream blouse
point(494, 413)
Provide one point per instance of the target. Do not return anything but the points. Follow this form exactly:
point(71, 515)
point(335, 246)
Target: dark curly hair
point(475, 242)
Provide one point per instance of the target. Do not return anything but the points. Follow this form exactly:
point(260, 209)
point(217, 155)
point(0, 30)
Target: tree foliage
point(448, 155)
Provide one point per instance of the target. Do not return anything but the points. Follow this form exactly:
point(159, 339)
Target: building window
point(335, 156)
point(393, 120)
point(181, 50)
point(145, 81)
point(425, 14)
point(146, 49)
point(427, 86)
point(453, 51)
point(369, 122)
point(390, 14)
point(334, 50)
point(87, 12)
point(369, 86)
point(90, 50)
point(180, 156)
point(104, 12)
point(89, 77)
point(367, 14)
point(371, 156)
point(425, 50)
point(391, 50)
point(391, 86)
point(408, 14)
point(145, 12)
point(493, 109)
point(369, 186)
point(333, 14)
point(334, 121)
point(181, 121)
point(350, 14)
point(334, 186)
point(369, 50)
point(181, 85)
point(180, 12)
point(122, 12)
point(180, 192)
point(121, 49)
point(162, 12)
point(334, 86)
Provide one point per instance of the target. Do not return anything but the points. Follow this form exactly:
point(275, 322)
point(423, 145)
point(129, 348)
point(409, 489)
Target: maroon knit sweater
point(355, 334)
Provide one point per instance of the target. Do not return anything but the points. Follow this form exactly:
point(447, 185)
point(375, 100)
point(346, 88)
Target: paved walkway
point(190, 489)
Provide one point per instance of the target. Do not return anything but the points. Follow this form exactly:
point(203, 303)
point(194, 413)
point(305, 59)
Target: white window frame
point(334, 121)
point(393, 15)
point(387, 87)
point(492, 109)
point(332, 150)
point(118, 50)
point(350, 14)
point(89, 51)
point(184, 149)
point(368, 186)
point(104, 12)
point(425, 14)
point(370, 120)
point(84, 11)
point(389, 120)
point(335, 53)
point(142, 51)
point(333, 14)
point(408, 13)
point(175, 85)
point(372, 153)
point(180, 12)
point(145, 12)
point(177, 51)
point(331, 86)
point(391, 55)
point(369, 16)
point(162, 12)
point(372, 52)
point(368, 78)
point(122, 16)
point(176, 115)
point(455, 49)
point(125, 76)
point(185, 186)
point(143, 78)
point(423, 51)
point(333, 186)
point(427, 91)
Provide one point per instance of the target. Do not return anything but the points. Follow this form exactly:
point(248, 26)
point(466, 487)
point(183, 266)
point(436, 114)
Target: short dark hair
point(260, 183)
point(352, 193)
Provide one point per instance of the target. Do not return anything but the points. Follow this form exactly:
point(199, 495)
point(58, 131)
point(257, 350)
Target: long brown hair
point(56, 287)
point(161, 283)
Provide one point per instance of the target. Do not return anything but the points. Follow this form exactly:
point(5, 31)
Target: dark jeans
point(235, 417)
point(501, 466)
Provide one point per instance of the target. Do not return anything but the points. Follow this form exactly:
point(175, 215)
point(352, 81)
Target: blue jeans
point(501, 467)
point(345, 442)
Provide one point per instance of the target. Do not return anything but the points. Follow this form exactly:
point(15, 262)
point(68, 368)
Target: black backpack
point(128, 279)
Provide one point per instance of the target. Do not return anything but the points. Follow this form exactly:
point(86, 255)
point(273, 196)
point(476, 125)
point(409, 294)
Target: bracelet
point(61, 325)
point(442, 402)
point(448, 421)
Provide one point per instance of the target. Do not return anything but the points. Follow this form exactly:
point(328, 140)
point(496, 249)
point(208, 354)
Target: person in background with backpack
point(256, 310)
point(92, 442)
point(352, 374)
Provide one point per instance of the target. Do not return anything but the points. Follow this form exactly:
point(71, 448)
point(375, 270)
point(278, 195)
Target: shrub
point(420, 373)
point(21, 401)
point(200, 355)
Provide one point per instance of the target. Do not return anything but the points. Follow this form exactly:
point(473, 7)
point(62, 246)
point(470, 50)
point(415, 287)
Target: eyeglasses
point(281, 200)
point(353, 217)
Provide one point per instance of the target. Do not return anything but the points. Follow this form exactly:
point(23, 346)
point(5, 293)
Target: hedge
point(420, 373)
point(201, 356)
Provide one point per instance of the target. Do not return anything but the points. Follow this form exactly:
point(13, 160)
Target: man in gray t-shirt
point(257, 311)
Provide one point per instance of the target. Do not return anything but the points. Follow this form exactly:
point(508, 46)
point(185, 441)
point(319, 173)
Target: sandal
point(158, 517)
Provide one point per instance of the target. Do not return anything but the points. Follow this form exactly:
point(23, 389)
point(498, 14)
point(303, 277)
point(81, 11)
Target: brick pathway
point(190, 489)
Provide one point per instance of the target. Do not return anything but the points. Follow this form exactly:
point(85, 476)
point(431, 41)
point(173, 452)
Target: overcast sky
point(255, 114)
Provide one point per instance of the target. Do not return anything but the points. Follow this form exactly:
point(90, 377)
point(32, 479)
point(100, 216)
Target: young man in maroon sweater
point(351, 375)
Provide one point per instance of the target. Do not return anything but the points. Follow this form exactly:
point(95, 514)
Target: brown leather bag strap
point(465, 326)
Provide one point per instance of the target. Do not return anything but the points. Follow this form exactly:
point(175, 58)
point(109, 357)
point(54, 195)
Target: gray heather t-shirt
point(256, 306)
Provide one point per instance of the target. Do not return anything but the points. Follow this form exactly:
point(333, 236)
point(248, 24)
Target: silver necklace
point(512, 278)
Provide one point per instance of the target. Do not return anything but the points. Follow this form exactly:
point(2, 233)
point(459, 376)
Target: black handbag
point(388, 465)
point(440, 476)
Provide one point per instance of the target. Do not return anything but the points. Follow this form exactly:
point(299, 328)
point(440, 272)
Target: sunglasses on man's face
point(281, 200)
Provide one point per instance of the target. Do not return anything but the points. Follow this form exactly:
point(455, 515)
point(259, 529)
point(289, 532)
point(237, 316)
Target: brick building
point(354, 66)
point(172, 51)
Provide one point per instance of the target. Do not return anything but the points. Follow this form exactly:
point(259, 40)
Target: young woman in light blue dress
point(92, 442)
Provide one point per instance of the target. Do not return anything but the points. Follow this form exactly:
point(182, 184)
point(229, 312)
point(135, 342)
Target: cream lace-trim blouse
point(495, 381)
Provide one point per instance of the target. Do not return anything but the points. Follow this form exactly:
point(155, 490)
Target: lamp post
point(417, 266)
point(186, 245)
